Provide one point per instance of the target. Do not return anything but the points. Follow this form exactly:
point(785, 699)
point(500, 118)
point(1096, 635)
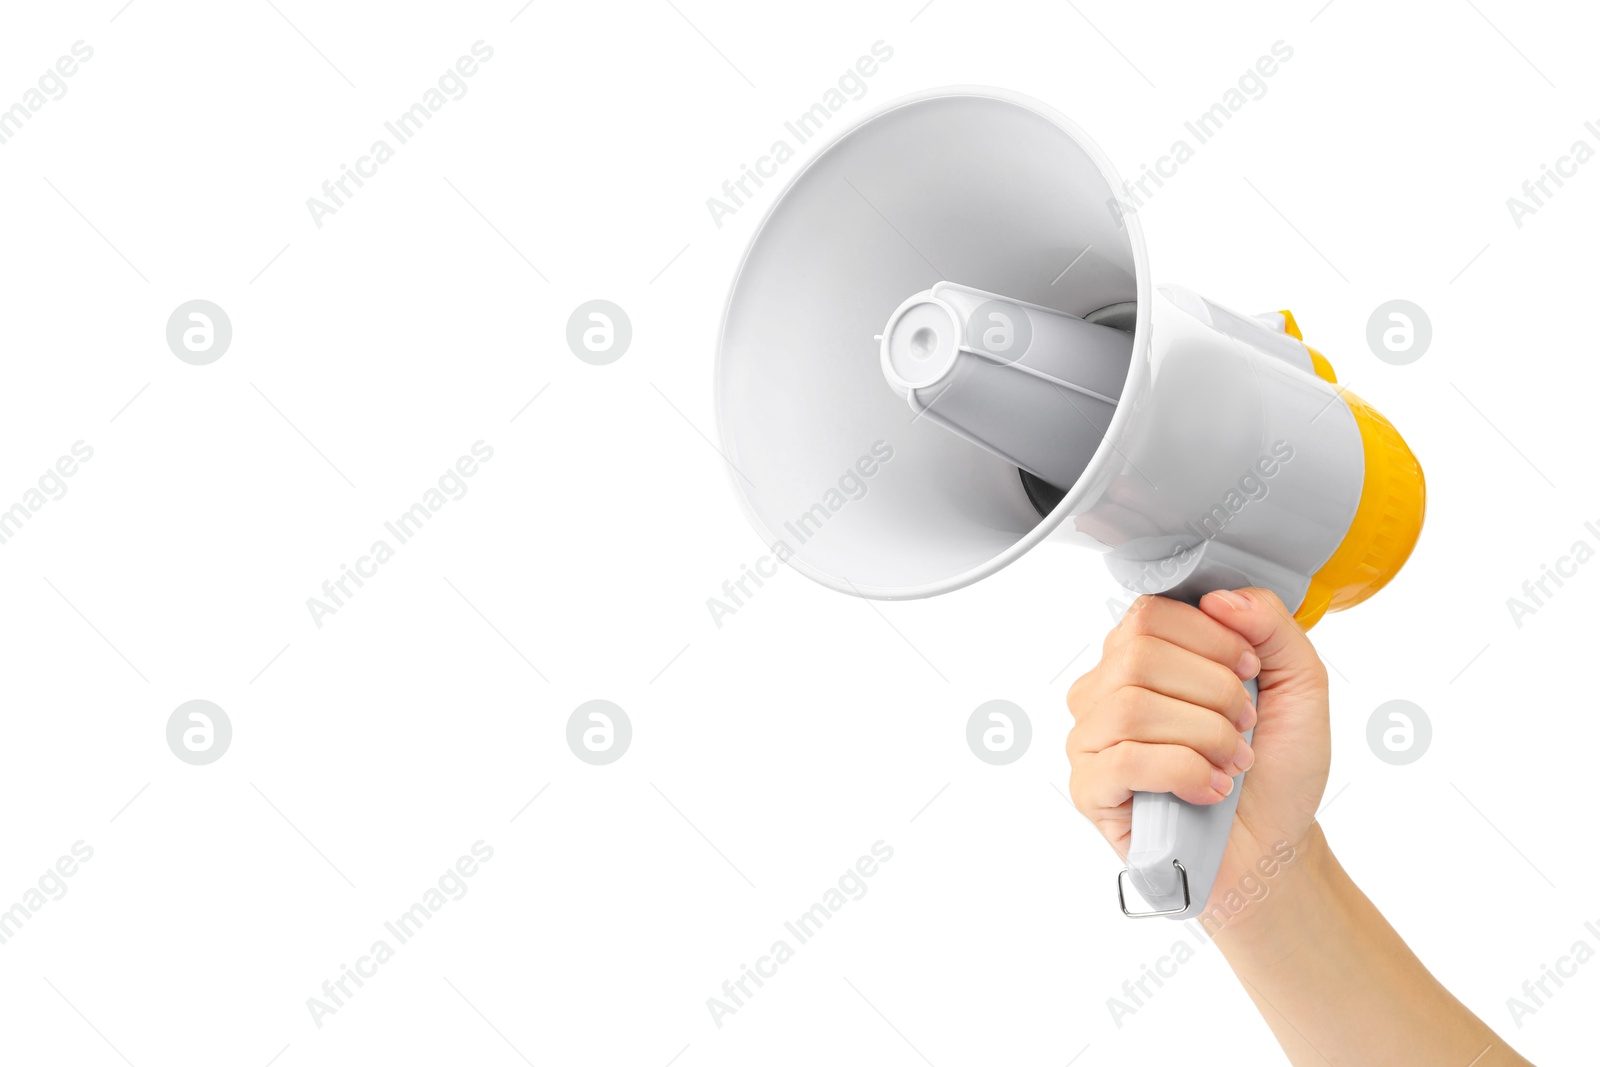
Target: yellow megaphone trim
point(1388, 517)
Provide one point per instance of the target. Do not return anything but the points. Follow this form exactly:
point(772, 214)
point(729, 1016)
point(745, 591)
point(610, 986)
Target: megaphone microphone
point(952, 300)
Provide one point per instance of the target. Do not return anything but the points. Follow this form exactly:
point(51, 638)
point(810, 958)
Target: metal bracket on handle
point(1123, 900)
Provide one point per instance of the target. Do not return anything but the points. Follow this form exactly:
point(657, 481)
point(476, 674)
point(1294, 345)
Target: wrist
point(1304, 898)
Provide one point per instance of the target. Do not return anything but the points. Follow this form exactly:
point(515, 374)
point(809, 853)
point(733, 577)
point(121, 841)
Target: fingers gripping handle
point(1176, 848)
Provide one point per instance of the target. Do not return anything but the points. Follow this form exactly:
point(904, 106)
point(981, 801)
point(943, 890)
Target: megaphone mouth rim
point(1138, 365)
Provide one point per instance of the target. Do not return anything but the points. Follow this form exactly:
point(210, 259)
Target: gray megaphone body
point(951, 300)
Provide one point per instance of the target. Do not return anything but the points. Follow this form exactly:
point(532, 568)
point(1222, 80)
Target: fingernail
point(1244, 757)
point(1221, 782)
point(1232, 599)
point(1247, 721)
point(1249, 664)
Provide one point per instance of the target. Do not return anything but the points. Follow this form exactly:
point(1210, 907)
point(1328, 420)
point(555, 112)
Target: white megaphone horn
point(951, 300)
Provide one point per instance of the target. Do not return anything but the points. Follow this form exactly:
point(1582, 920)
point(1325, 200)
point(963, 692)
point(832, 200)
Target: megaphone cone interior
point(969, 188)
point(1029, 384)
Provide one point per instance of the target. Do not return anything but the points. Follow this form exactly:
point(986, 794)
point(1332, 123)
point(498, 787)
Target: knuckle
point(1224, 740)
point(1140, 615)
point(1224, 685)
point(1139, 656)
point(1191, 767)
point(1076, 785)
point(1129, 707)
point(1269, 598)
point(1076, 745)
point(1119, 760)
point(1081, 693)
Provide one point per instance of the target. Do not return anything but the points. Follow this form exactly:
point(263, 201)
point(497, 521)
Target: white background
point(370, 753)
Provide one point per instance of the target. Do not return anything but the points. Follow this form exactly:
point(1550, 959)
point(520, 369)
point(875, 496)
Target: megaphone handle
point(1176, 847)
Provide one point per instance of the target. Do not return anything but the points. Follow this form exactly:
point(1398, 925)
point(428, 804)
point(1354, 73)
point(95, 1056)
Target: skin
point(1162, 712)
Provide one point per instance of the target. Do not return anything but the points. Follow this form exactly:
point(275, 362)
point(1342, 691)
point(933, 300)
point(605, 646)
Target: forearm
point(1338, 985)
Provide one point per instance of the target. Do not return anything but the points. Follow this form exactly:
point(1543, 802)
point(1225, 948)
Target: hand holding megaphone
point(955, 281)
point(1164, 712)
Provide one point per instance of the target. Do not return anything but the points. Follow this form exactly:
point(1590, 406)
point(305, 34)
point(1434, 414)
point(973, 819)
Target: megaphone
point(942, 347)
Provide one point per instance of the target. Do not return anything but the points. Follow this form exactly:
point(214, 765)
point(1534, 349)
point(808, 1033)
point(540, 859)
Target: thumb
point(1258, 616)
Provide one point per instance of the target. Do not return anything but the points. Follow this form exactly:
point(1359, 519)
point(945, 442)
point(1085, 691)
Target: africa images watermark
point(451, 885)
point(52, 85)
point(52, 885)
point(850, 486)
point(852, 885)
point(452, 485)
point(452, 85)
point(1252, 888)
point(1252, 486)
point(803, 127)
point(52, 485)
point(1536, 992)
point(1536, 192)
point(1536, 592)
point(1251, 85)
